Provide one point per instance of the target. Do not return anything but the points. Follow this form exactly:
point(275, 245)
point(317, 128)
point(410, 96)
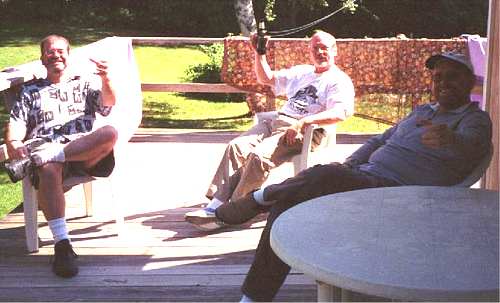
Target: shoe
point(18, 169)
point(64, 264)
point(204, 219)
point(240, 211)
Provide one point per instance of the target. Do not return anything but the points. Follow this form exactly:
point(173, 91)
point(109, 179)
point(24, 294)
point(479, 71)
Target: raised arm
point(108, 90)
point(264, 73)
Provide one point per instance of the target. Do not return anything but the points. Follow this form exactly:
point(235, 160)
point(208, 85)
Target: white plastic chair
point(125, 117)
point(30, 208)
point(30, 202)
point(307, 155)
point(478, 171)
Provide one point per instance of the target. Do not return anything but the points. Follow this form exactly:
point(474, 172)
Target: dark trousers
point(268, 272)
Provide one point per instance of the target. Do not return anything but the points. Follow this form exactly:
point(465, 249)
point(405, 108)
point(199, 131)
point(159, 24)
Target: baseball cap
point(457, 57)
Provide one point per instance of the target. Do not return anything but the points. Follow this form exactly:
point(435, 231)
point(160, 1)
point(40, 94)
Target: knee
point(51, 170)
point(256, 160)
point(108, 135)
point(321, 172)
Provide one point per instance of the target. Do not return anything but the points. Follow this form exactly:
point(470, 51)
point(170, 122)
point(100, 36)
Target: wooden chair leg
point(30, 206)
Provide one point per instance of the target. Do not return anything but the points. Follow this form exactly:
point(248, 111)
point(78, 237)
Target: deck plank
point(158, 257)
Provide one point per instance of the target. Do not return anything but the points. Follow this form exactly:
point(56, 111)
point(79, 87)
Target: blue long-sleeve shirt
point(398, 153)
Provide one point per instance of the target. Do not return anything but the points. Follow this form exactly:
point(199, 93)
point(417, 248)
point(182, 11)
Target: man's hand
point(291, 135)
point(253, 41)
point(16, 149)
point(437, 136)
point(101, 68)
point(302, 124)
point(108, 89)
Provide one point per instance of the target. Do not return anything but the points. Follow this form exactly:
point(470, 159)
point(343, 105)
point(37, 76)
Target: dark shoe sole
point(205, 223)
point(240, 211)
point(200, 220)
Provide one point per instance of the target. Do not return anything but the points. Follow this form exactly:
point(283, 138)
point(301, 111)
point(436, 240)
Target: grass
point(166, 64)
point(163, 110)
point(15, 55)
point(10, 193)
point(170, 110)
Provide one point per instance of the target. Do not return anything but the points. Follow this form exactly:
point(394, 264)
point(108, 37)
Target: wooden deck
point(157, 257)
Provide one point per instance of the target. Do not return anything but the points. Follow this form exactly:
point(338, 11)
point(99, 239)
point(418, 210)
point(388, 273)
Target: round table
point(406, 243)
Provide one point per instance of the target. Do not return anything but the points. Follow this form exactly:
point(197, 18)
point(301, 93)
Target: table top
point(408, 243)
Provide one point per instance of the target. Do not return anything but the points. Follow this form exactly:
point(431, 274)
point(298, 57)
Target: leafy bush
point(209, 72)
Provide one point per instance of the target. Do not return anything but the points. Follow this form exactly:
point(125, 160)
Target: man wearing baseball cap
point(454, 90)
point(453, 56)
point(437, 144)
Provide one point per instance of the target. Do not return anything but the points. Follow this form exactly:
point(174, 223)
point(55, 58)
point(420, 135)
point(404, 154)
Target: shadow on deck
point(158, 256)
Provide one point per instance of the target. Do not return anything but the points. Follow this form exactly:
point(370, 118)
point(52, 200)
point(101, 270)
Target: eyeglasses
point(56, 51)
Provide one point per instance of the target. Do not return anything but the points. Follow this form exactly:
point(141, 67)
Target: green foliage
point(168, 110)
point(216, 18)
point(268, 10)
point(213, 18)
point(10, 194)
point(382, 18)
point(209, 72)
point(350, 5)
point(166, 64)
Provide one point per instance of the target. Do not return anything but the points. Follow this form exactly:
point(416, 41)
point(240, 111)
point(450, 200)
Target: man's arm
point(265, 75)
point(108, 90)
point(14, 136)
point(362, 154)
point(329, 116)
point(471, 136)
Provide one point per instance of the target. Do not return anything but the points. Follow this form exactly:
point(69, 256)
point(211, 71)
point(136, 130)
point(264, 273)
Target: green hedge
point(216, 18)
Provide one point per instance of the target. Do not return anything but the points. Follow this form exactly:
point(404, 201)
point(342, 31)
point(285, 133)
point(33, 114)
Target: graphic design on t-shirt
point(304, 98)
point(56, 112)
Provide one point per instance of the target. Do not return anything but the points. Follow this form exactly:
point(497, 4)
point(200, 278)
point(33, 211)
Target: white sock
point(214, 203)
point(58, 229)
point(52, 152)
point(258, 196)
point(245, 299)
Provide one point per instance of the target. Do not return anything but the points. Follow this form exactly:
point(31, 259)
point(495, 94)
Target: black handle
point(261, 41)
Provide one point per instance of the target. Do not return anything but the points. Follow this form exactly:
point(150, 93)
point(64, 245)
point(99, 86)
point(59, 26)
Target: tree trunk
point(246, 19)
point(245, 16)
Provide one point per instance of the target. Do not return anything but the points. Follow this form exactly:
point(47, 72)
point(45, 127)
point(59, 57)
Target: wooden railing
point(189, 88)
point(183, 87)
